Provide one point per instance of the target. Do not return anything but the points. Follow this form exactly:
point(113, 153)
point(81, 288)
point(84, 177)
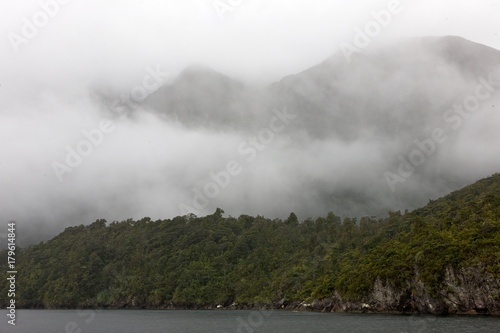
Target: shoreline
point(265, 307)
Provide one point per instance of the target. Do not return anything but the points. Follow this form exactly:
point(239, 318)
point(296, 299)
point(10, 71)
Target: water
point(156, 321)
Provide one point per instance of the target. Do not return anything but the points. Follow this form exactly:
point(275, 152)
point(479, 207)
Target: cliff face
point(471, 290)
point(466, 291)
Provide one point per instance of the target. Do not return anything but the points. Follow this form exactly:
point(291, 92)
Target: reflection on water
point(152, 321)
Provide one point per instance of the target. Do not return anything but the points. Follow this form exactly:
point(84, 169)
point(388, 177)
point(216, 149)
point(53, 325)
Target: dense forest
point(442, 258)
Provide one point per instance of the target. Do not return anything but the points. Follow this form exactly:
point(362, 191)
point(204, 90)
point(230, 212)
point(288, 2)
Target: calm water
point(149, 321)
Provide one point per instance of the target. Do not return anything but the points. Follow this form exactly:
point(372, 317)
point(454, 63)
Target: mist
point(178, 110)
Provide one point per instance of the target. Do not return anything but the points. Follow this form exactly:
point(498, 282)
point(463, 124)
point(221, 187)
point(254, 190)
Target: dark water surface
point(156, 321)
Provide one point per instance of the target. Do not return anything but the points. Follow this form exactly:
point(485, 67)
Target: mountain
point(356, 126)
point(366, 116)
point(392, 90)
point(200, 96)
point(441, 258)
point(464, 54)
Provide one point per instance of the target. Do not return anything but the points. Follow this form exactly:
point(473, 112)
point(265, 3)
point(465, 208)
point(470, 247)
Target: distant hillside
point(393, 90)
point(201, 96)
point(442, 258)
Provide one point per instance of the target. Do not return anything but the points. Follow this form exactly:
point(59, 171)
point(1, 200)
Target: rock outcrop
point(466, 291)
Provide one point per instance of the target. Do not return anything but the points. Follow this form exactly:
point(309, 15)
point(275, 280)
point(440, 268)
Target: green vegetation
point(194, 261)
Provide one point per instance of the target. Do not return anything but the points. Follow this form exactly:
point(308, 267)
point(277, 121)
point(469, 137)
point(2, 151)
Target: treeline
point(191, 261)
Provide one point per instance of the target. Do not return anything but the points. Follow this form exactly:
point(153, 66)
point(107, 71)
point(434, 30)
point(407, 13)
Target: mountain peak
point(465, 54)
point(202, 76)
point(197, 69)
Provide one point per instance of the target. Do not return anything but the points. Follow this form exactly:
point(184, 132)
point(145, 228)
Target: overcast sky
point(47, 72)
point(256, 40)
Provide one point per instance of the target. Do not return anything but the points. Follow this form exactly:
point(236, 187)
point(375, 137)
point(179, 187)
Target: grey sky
point(257, 40)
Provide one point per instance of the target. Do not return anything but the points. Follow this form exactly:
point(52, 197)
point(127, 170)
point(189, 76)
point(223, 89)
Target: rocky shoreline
point(468, 291)
point(331, 305)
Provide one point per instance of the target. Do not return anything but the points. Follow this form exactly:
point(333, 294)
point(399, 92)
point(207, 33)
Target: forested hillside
point(444, 257)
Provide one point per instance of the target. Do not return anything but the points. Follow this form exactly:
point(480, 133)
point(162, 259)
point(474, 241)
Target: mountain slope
point(394, 92)
point(442, 258)
point(201, 96)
